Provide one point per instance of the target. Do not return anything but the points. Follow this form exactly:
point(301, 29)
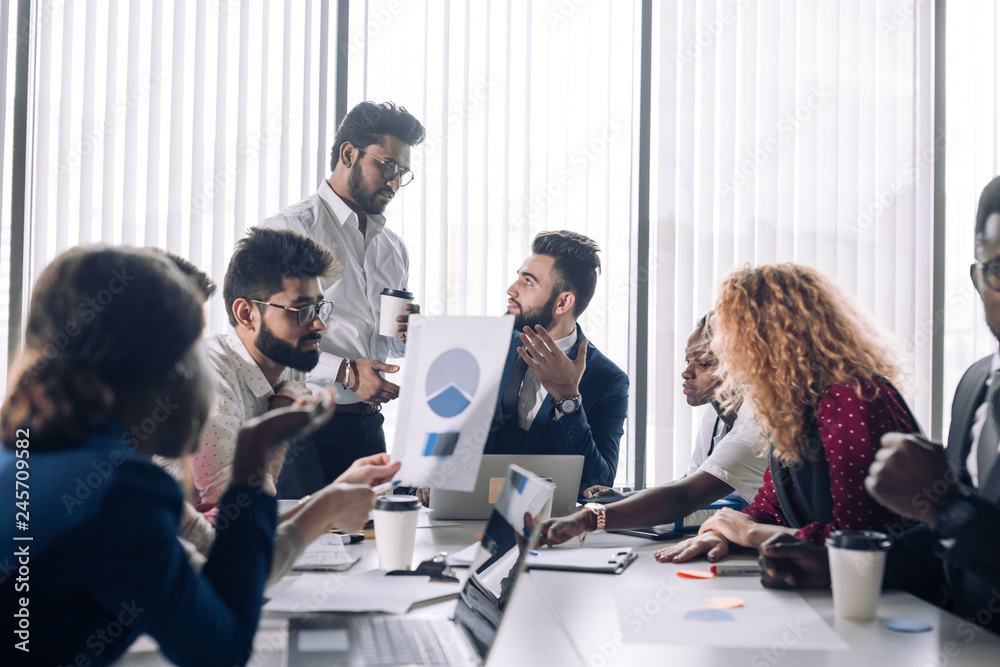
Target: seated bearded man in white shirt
point(243, 390)
point(728, 460)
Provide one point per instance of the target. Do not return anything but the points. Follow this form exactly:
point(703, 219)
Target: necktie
point(986, 457)
point(512, 390)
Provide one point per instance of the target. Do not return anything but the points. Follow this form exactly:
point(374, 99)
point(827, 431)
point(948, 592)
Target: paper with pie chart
point(454, 365)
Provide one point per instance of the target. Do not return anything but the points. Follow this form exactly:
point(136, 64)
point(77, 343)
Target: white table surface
point(563, 618)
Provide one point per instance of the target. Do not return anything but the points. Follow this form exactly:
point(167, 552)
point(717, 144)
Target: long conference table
point(642, 617)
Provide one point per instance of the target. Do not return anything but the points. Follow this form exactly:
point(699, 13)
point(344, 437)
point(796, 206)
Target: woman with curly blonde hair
point(819, 373)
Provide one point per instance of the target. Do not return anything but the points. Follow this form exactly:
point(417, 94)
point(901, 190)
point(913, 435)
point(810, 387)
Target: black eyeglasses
point(391, 171)
point(306, 314)
point(991, 273)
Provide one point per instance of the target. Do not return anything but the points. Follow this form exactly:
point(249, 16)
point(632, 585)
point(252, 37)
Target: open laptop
point(564, 470)
point(466, 638)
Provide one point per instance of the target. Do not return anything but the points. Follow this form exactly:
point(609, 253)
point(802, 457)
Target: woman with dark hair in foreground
point(110, 375)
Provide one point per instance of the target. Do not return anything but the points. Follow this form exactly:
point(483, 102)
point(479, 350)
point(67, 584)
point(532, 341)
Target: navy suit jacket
point(969, 396)
point(964, 577)
point(593, 431)
point(105, 553)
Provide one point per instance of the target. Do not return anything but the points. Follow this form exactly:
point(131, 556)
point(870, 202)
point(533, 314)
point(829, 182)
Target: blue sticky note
point(908, 625)
point(709, 615)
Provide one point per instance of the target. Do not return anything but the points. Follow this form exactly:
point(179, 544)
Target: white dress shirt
point(241, 393)
point(533, 394)
point(972, 462)
point(377, 261)
point(738, 456)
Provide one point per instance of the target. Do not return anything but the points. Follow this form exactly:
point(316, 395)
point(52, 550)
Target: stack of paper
point(371, 591)
point(328, 554)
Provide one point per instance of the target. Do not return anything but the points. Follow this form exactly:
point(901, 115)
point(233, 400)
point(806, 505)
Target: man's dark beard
point(287, 354)
point(361, 196)
point(543, 315)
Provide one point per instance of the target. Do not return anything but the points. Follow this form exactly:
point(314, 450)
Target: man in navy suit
point(559, 394)
point(950, 559)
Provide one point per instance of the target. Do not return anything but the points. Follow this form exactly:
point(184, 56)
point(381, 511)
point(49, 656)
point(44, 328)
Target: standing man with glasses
point(370, 162)
point(278, 312)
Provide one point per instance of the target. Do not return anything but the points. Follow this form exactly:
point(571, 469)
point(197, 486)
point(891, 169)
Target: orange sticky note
point(722, 602)
point(694, 574)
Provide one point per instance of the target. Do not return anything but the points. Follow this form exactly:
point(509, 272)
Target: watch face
point(568, 406)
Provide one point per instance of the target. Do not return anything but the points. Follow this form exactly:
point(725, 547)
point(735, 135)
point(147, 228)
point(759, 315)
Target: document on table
point(327, 553)
point(464, 557)
point(370, 591)
point(688, 616)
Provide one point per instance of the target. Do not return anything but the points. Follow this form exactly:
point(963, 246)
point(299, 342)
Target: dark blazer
point(593, 431)
point(963, 576)
point(105, 555)
point(969, 396)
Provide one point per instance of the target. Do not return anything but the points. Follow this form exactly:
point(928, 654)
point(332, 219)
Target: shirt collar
point(247, 368)
point(566, 344)
point(344, 214)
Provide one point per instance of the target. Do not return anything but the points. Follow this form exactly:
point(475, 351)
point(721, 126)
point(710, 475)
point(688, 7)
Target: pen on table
point(382, 488)
point(736, 570)
point(351, 538)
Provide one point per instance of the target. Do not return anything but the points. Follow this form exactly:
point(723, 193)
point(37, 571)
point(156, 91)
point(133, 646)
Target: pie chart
point(451, 382)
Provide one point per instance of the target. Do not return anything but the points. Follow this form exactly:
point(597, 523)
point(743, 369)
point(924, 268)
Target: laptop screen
point(510, 533)
point(500, 560)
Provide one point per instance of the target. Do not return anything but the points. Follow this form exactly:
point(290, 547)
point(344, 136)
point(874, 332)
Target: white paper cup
point(395, 530)
point(392, 306)
point(857, 563)
point(285, 505)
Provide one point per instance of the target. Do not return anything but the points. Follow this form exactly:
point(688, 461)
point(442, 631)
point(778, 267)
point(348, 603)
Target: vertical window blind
point(175, 124)
point(528, 108)
point(787, 132)
point(972, 98)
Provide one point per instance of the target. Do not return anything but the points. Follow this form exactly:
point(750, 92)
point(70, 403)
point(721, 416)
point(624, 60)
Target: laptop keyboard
point(391, 640)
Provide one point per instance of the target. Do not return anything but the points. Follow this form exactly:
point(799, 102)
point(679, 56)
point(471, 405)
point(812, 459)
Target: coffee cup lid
point(397, 504)
point(398, 293)
point(859, 540)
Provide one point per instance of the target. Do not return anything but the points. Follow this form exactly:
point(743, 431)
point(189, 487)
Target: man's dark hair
point(265, 257)
point(205, 285)
point(366, 124)
point(576, 264)
point(989, 203)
